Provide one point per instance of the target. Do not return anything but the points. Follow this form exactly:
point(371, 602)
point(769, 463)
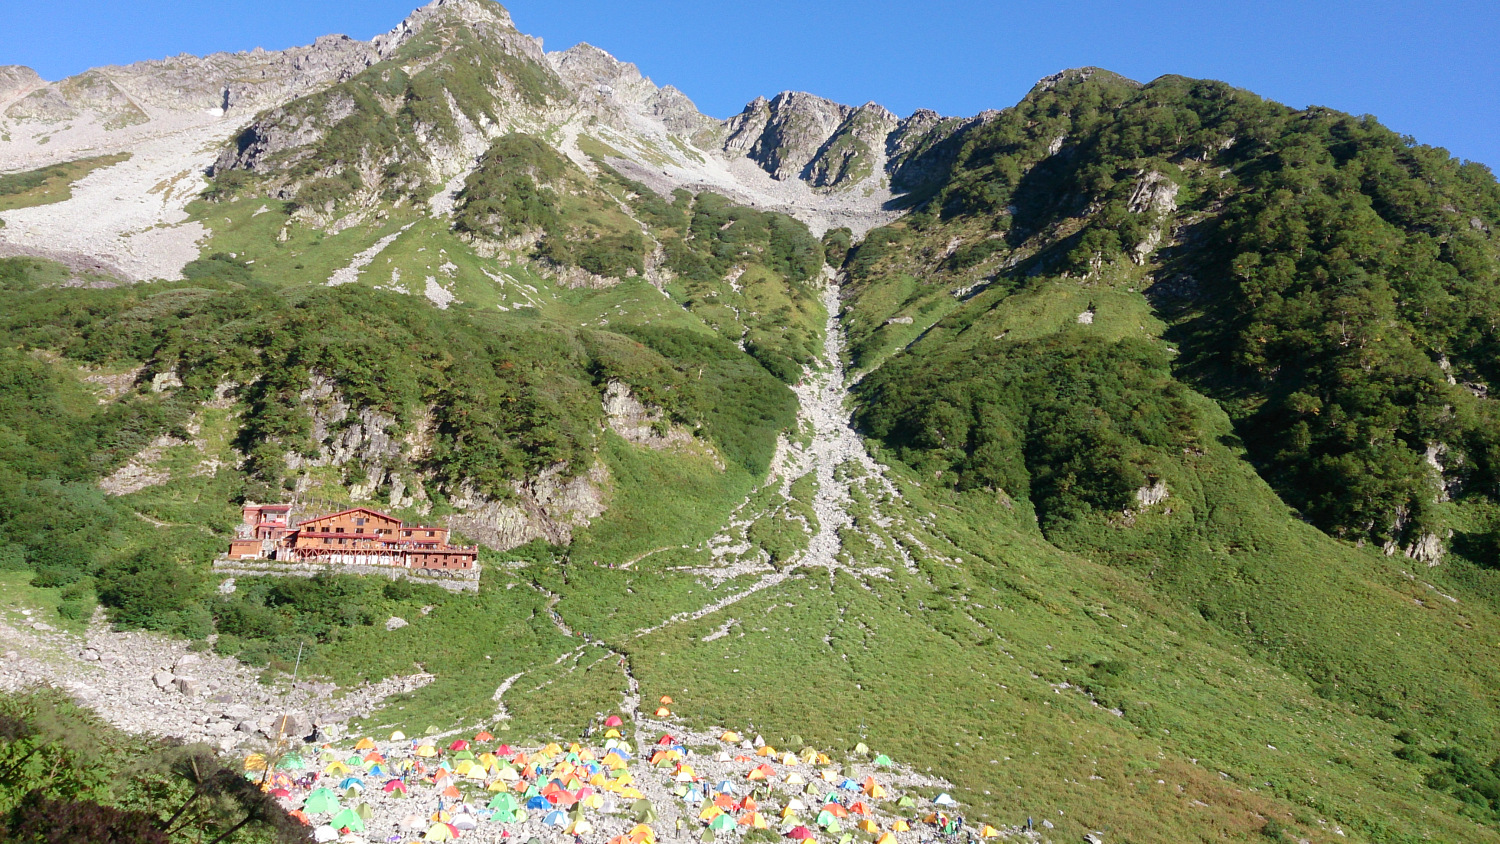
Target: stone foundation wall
point(453, 581)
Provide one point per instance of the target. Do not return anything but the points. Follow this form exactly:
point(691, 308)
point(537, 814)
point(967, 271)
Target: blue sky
point(1428, 69)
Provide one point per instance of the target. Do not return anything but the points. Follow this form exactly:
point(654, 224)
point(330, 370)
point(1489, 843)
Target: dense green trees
point(1334, 285)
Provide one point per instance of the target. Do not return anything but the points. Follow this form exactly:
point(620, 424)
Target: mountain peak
point(479, 13)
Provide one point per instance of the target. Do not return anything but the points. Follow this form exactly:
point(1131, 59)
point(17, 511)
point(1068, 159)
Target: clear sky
point(1428, 68)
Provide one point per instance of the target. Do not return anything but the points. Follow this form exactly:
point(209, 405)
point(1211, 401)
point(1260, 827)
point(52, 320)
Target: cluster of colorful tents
point(468, 787)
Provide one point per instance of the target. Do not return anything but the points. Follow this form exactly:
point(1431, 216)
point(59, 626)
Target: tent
point(484, 736)
point(643, 811)
point(944, 799)
point(348, 819)
point(579, 827)
point(321, 801)
point(504, 802)
point(886, 838)
point(988, 831)
point(353, 782)
point(364, 811)
point(395, 787)
point(900, 826)
point(754, 820)
point(365, 743)
point(883, 761)
point(800, 833)
point(555, 818)
point(440, 832)
point(613, 721)
point(722, 823)
point(465, 822)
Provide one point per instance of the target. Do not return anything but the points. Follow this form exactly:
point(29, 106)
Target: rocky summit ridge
point(828, 164)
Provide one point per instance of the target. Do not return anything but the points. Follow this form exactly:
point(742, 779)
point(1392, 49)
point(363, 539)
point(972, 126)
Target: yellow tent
point(730, 736)
point(663, 712)
point(710, 812)
point(594, 801)
point(476, 772)
point(398, 736)
point(795, 779)
point(666, 700)
point(900, 826)
point(613, 762)
point(989, 832)
point(498, 785)
point(337, 768)
point(611, 733)
point(463, 767)
point(830, 776)
point(365, 743)
point(509, 774)
point(579, 827)
point(551, 750)
point(787, 812)
point(439, 832)
point(789, 758)
point(766, 750)
point(887, 838)
point(427, 751)
point(754, 820)
point(255, 762)
point(809, 755)
point(823, 759)
point(441, 816)
point(868, 825)
point(643, 834)
point(875, 790)
point(487, 759)
point(632, 794)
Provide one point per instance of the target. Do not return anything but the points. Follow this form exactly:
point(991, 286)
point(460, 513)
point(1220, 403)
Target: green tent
point(644, 812)
point(846, 838)
point(883, 761)
point(504, 802)
point(291, 762)
point(463, 754)
point(350, 819)
point(364, 811)
point(906, 802)
point(861, 749)
point(708, 836)
point(722, 823)
point(320, 801)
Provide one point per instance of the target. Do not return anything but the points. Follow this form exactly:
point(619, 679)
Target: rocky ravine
point(145, 683)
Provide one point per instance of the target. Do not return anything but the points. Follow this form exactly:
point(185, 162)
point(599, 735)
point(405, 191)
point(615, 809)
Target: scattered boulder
point(395, 623)
point(239, 712)
point(184, 661)
point(90, 655)
point(244, 726)
point(188, 686)
point(163, 679)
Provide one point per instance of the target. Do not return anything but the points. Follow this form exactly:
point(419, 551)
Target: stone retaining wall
point(453, 581)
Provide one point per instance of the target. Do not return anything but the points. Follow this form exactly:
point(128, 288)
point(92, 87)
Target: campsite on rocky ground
point(437, 438)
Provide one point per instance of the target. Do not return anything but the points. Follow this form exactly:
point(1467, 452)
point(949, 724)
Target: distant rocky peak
point(480, 14)
point(16, 80)
point(587, 64)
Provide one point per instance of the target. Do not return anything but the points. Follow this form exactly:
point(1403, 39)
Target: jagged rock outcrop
point(220, 83)
point(549, 506)
point(18, 81)
point(617, 88)
point(639, 424)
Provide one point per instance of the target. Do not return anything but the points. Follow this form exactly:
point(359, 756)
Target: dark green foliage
point(273, 618)
point(523, 186)
point(1335, 267)
point(153, 592)
point(1071, 423)
point(1474, 783)
point(68, 778)
point(836, 246)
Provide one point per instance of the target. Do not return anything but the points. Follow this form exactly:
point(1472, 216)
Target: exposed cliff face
point(548, 507)
point(378, 455)
point(617, 89)
point(221, 83)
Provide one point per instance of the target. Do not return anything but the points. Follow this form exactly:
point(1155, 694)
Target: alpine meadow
point(1120, 466)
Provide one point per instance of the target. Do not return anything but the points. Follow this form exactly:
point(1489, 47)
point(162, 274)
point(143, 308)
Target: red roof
point(376, 513)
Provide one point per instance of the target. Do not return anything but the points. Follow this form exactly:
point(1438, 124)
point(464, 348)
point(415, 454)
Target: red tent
point(459, 744)
point(800, 833)
point(666, 739)
point(613, 721)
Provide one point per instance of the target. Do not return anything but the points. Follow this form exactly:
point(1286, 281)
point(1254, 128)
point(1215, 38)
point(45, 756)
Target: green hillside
point(1183, 517)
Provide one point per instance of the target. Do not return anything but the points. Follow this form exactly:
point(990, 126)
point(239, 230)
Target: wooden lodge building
point(357, 537)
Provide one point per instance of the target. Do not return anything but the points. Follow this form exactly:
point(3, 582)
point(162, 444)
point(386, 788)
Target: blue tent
point(556, 818)
point(538, 802)
point(353, 782)
point(725, 787)
point(849, 785)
